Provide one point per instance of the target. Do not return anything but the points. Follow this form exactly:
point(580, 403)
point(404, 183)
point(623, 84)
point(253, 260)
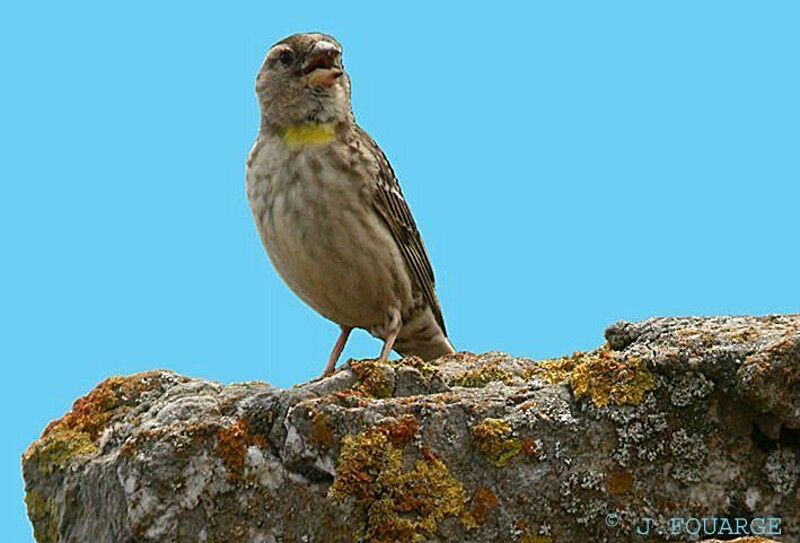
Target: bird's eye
point(286, 58)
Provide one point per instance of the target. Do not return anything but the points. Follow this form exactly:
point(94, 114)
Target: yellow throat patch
point(309, 134)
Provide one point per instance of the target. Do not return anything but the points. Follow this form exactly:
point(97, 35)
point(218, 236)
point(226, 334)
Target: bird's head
point(302, 82)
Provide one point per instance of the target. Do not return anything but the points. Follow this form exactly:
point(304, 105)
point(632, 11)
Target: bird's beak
point(320, 65)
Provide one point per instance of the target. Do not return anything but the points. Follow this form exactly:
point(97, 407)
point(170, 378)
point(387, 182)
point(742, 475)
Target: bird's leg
point(337, 350)
point(388, 344)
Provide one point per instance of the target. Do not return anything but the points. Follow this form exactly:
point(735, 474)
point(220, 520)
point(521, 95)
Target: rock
point(673, 420)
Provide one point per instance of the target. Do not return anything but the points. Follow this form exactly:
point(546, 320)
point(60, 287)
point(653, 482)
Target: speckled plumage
point(329, 209)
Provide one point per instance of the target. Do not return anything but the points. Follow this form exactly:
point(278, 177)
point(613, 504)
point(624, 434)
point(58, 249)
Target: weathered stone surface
point(671, 418)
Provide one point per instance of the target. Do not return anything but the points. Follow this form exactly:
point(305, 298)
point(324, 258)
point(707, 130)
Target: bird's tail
point(423, 337)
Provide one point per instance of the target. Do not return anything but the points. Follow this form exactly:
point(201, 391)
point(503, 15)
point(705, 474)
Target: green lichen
point(479, 377)
point(398, 505)
point(602, 376)
point(493, 438)
point(42, 514)
point(374, 378)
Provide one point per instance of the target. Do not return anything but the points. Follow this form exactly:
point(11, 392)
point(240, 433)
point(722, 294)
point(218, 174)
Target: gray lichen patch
point(782, 471)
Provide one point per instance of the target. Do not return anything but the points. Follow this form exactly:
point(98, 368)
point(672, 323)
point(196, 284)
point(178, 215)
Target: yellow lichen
point(493, 438)
point(553, 371)
point(52, 453)
point(426, 369)
point(602, 376)
point(606, 380)
point(42, 514)
point(535, 538)
point(437, 399)
point(479, 377)
point(374, 378)
point(398, 505)
point(350, 398)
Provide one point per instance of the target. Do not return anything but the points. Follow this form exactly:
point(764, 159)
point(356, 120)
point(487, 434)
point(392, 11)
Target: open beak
point(320, 66)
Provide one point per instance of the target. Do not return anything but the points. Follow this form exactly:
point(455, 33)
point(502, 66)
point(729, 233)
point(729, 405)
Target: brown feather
point(392, 207)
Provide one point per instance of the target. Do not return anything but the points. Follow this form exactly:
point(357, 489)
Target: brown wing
point(392, 207)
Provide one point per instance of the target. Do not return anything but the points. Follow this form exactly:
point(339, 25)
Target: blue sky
point(569, 164)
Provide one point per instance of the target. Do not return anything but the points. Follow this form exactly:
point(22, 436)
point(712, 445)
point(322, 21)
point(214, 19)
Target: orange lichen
point(91, 413)
point(483, 503)
point(321, 431)
point(232, 445)
point(76, 433)
point(528, 448)
point(402, 431)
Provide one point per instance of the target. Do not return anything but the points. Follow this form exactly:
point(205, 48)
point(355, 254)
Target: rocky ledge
point(671, 421)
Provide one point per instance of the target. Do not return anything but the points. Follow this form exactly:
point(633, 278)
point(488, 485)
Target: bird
point(329, 210)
